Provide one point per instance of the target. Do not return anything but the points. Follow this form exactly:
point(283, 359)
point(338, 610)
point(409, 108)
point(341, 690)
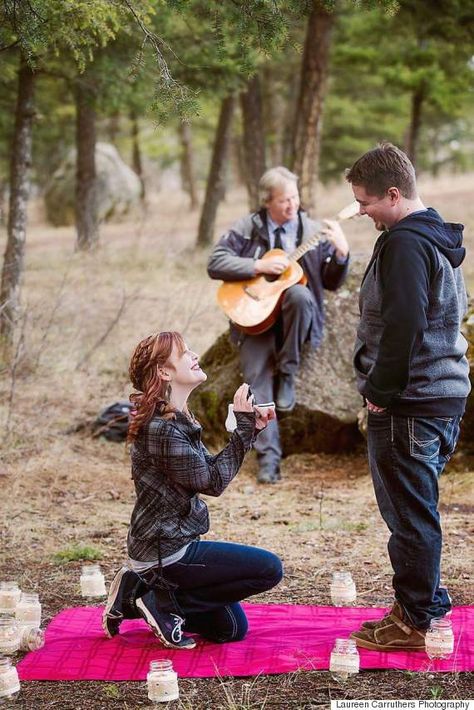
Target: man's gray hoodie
point(410, 355)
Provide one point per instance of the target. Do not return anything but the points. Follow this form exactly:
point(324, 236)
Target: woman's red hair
point(153, 392)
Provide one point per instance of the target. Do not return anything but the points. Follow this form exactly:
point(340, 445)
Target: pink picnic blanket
point(281, 638)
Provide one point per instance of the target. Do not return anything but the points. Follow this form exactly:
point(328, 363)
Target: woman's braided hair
point(153, 395)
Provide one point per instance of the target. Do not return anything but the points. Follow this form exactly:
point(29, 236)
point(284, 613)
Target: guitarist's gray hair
point(274, 178)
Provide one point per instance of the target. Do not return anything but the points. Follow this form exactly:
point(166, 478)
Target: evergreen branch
point(10, 46)
point(157, 43)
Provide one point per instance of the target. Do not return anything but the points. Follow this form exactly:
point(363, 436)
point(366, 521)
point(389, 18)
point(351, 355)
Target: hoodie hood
point(446, 236)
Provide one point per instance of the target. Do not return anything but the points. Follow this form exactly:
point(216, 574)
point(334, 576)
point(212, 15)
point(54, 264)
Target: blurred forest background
point(203, 96)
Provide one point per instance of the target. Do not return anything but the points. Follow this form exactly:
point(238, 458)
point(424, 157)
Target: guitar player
point(271, 359)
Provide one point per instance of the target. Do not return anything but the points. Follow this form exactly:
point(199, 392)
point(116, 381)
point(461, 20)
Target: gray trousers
point(276, 351)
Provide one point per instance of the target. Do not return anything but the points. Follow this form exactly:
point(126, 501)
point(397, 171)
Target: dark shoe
point(167, 627)
point(392, 633)
point(120, 605)
point(268, 474)
point(376, 622)
point(285, 398)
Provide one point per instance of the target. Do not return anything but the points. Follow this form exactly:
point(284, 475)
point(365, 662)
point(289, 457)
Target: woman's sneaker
point(167, 627)
point(121, 600)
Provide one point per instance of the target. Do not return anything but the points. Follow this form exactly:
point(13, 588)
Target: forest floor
point(62, 489)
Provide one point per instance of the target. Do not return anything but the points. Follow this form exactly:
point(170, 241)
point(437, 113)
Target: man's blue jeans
point(206, 585)
point(406, 458)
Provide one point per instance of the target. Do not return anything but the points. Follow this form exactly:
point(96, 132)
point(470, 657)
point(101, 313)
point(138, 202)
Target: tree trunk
point(417, 100)
point(20, 165)
point(273, 109)
point(288, 119)
point(309, 110)
point(113, 128)
point(216, 181)
point(87, 223)
point(136, 152)
point(253, 139)
point(237, 161)
point(187, 164)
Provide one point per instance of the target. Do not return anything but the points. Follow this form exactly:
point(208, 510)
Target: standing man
point(411, 366)
point(280, 223)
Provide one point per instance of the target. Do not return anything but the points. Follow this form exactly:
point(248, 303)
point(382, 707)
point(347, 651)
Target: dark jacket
point(170, 468)
point(234, 256)
point(410, 355)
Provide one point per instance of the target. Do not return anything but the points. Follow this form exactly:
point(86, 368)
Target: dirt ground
point(61, 489)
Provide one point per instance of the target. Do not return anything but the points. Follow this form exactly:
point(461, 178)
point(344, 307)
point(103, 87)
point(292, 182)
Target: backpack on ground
point(112, 422)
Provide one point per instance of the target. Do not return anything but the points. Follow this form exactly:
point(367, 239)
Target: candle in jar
point(10, 594)
point(343, 589)
point(9, 635)
point(92, 581)
point(28, 610)
point(162, 682)
point(9, 681)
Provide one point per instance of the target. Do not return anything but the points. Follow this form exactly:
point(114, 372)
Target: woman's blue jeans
point(207, 584)
point(406, 458)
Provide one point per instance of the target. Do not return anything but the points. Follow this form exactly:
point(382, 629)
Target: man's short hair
point(381, 168)
point(274, 179)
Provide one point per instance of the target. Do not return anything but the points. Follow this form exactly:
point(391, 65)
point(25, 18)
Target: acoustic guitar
point(253, 305)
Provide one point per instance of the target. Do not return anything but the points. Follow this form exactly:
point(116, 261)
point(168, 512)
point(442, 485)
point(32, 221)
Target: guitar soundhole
point(272, 277)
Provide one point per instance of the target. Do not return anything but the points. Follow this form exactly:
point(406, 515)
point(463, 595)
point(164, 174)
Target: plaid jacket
point(170, 468)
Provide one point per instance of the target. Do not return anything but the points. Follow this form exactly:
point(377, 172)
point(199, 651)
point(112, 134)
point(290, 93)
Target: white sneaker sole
point(114, 587)
point(151, 621)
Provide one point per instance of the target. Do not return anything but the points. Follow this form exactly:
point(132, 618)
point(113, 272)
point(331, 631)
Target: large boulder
point(325, 417)
point(327, 414)
point(118, 187)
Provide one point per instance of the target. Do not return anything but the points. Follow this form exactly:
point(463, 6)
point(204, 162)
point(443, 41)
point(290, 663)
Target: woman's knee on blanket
point(271, 571)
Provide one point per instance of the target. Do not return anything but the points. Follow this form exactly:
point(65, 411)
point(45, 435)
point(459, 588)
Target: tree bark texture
point(20, 184)
point(188, 173)
point(254, 139)
point(136, 152)
point(417, 100)
point(113, 128)
point(215, 187)
point(309, 109)
point(87, 223)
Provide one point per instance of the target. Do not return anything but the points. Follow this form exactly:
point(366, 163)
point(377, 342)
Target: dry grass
point(64, 490)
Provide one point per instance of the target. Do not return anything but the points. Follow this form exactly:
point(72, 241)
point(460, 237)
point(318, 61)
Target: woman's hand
point(242, 401)
point(263, 415)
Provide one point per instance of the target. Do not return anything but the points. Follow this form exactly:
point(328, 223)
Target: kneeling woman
point(173, 577)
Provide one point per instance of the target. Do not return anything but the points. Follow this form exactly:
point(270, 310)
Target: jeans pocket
point(451, 435)
point(424, 439)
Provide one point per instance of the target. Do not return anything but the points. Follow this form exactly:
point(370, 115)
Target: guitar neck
point(303, 248)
